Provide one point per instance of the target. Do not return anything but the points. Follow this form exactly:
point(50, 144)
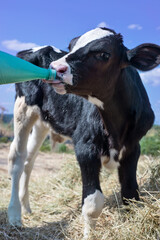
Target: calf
point(40, 108)
point(101, 69)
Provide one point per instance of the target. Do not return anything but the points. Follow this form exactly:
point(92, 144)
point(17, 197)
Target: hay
point(56, 205)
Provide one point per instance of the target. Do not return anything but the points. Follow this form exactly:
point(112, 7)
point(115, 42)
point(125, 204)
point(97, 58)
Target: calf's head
point(96, 61)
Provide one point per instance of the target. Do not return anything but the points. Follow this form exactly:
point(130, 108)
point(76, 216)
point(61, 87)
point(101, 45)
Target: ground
point(47, 162)
point(55, 196)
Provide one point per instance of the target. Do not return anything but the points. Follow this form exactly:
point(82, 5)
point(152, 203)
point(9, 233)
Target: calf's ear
point(72, 43)
point(144, 57)
point(37, 57)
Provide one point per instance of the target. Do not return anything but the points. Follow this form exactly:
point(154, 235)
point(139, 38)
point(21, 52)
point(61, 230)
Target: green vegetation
point(63, 148)
point(60, 147)
point(46, 146)
point(150, 144)
point(6, 131)
point(4, 139)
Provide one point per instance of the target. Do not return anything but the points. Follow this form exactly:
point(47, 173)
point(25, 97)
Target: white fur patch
point(123, 149)
point(104, 160)
point(93, 205)
point(90, 36)
point(96, 102)
point(92, 208)
point(35, 49)
point(56, 49)
point(109, 162)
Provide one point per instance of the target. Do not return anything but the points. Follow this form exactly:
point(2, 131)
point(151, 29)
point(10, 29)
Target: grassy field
point(56, 197)
point(56, 205)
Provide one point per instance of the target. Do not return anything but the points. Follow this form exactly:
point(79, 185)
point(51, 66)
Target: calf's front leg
point(92, 196)
point(127, 175)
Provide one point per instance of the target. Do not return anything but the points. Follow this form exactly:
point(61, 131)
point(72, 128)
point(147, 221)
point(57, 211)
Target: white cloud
point(135, 26)
point(103, 24)
point(17, 45)
point(152, 77)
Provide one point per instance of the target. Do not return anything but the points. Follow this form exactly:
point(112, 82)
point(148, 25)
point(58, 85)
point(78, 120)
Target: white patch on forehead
point(41, 47)
point(96, 102)
point(90, 36)
point(56, 49)
point(35, 49)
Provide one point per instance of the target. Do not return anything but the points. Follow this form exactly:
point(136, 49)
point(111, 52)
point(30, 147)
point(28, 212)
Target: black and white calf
point(40, 108)
point(101, 69)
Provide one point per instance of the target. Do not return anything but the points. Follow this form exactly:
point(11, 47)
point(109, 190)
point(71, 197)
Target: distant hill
point(7, 118)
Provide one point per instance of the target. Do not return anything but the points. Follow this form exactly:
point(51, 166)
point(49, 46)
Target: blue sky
point(25, 24)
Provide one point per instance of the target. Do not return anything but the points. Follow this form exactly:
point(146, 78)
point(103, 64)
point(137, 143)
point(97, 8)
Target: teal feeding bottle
point(14, 70)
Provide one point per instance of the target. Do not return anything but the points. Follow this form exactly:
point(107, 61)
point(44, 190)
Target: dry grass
point(56, 205)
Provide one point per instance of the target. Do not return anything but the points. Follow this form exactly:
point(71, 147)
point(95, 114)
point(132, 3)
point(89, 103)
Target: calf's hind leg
point(35, 141)
point(24, 119)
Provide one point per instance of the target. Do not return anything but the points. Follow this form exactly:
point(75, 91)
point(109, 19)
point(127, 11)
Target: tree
point(3, 109)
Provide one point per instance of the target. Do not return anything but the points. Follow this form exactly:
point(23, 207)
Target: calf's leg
point(127, 175)
point(35, 141)
point(24, 119)
point(92, 196)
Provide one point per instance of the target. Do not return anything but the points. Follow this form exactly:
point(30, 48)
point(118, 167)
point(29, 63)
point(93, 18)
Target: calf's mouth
point(58, 84)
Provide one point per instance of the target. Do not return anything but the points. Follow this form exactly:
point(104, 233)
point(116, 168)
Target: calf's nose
point(59, 68)
point(62, 69)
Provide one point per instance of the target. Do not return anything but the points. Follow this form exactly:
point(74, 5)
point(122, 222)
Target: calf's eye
point(102, 56)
